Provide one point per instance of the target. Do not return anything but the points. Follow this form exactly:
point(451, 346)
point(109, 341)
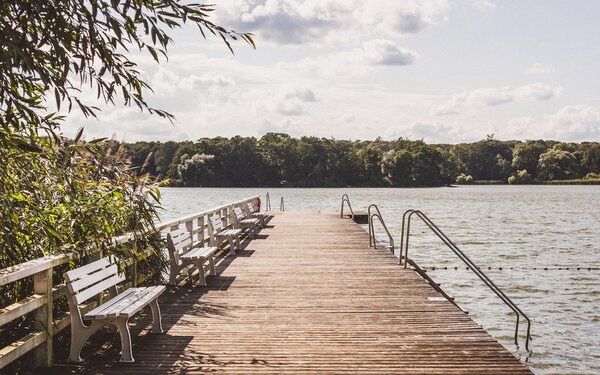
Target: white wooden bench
point(259, 215)
point(92, 279)
point(183, 253)
point(241, 222)
point(220, 234)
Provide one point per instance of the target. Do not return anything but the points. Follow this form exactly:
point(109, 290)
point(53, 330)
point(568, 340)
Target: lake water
point(516, 230)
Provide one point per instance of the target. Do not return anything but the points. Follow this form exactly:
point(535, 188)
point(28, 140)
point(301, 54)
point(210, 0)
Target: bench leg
point(231, 246)
point(173, 275)
point(201, 276)
point(211, 263)
point(156, 319)
point(78, 339)
point(123, 328)
point(79, 336)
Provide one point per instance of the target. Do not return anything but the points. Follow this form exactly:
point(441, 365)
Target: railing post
point(189, 226)
point(42, 284)
point(134, 266)
point(200, 223)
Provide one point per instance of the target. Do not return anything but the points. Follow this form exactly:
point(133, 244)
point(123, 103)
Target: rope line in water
point(555, 268)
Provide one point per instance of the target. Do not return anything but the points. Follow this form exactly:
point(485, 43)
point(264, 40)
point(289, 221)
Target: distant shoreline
point(552, 182)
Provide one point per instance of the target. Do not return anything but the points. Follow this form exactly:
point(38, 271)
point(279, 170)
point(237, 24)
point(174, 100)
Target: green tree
point(484, 159)
point(370, 161)
point(397, 167)
point(589, 155)
point(557, 164)
point(526, 156)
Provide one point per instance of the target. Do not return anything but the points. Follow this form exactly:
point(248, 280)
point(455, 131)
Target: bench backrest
point(217, 223)
point(92, 279)
point(239, 215)
point(178, 241)
point(250, 208)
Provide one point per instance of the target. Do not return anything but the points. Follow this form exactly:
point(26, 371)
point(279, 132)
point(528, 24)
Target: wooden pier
point(307, 296)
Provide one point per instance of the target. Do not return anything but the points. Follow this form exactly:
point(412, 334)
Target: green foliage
point(557, 164)
point(520, 178)
point(50, 48)
point(279, 160)
point(526, 156)
point(464, 179)
point(69, 196)
point(484, 160)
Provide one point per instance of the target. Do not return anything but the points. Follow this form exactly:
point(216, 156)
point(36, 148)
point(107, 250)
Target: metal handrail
point(268, 202)
point(462, 256)
point(347, 200)
point(372, 241)
point(281, 205)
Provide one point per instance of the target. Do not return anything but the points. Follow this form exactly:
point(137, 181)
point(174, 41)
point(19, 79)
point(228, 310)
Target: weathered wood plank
point(309, 296)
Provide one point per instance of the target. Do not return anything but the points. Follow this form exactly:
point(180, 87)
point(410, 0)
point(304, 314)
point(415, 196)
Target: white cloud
point(320, 22)
point(485, 97)
point(385, 52)
point(571, 123)
point(354, 63)
point(485, 5)
point(540, 68)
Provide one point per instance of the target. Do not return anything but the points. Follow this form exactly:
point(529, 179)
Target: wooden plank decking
point(308, 296)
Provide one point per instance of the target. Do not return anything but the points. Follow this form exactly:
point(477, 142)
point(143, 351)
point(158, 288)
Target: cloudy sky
point(443, 71)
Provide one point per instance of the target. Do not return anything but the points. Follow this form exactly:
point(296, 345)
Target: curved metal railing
point(462, 256)
point(372, 240)
point(345, 199)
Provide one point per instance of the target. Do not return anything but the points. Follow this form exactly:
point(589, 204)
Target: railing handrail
point(346, 199)
point(372, 241)
point(202, 213)
point(406, 217)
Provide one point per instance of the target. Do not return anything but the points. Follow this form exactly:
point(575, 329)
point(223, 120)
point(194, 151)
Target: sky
point(445, 71)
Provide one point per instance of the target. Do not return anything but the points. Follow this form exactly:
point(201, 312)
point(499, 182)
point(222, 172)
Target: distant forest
point(280, 160)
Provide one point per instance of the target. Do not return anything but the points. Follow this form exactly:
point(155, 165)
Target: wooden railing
point(46, 290)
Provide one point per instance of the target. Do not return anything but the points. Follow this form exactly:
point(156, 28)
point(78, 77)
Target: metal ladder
point(345, 199)
point(406, 220)
point(372, 240)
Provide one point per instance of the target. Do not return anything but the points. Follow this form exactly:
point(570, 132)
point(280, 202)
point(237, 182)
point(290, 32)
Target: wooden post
point(211, 234)
point(189, 226)
point(42, 284)
point(134, 265)
point(200, 223)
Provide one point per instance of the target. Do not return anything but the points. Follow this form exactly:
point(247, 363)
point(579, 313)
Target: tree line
point(278, 159)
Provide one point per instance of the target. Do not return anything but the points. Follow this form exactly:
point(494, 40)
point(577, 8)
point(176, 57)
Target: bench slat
point(96, 289)
point(127, 303)
point(87, 269)
point(229, 232)
point(217, 223)
point(100, 311)
point(93, 278)
point(201, 252)
point(150, 294)
point(135, 295)
point(249, 221)
point(181, 243)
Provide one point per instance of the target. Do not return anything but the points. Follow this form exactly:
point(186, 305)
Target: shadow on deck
point(307, 295)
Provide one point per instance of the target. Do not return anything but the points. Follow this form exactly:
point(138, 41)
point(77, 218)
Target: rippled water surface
point(518, 231)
